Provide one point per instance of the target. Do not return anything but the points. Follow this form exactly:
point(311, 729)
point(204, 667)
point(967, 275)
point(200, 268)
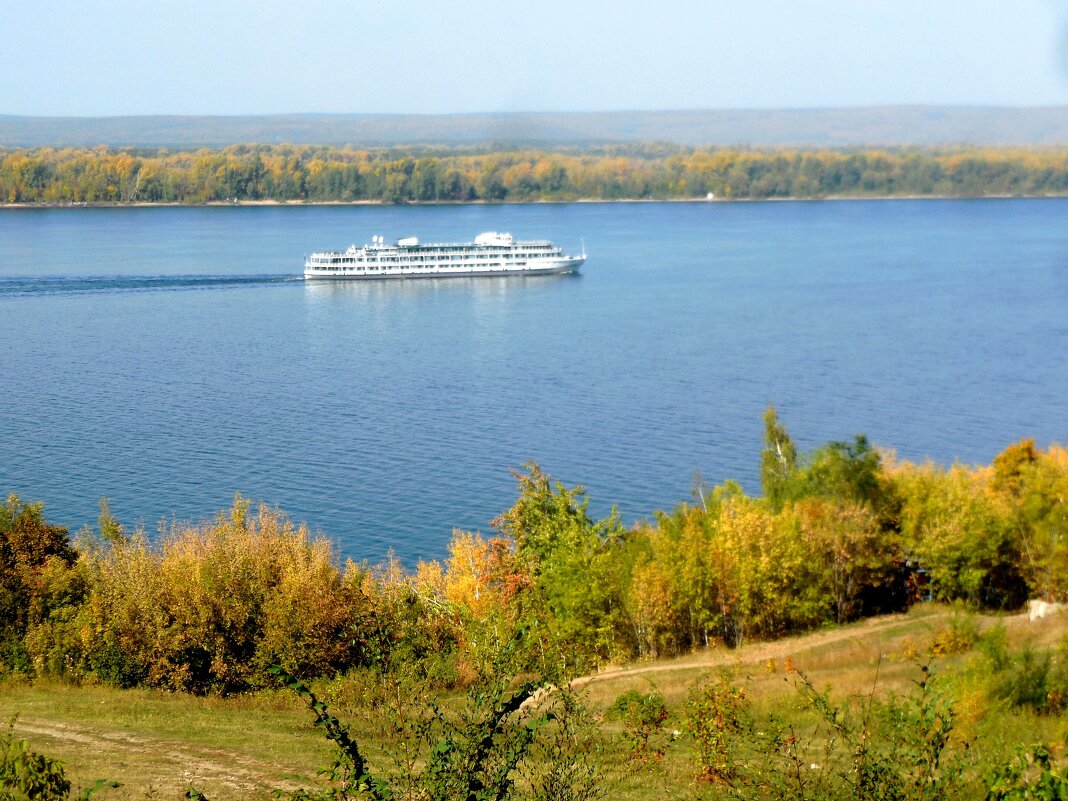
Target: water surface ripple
point(170, 357)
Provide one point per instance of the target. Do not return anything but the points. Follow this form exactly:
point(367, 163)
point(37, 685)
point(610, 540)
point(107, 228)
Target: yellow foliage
point(211, 606)
point(650, 599)
point(314, 172)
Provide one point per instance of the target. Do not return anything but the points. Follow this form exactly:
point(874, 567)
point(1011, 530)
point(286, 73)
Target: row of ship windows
point(413, 261)
point(335, 266)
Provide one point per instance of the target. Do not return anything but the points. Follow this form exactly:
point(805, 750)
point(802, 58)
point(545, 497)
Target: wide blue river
point(169, 357)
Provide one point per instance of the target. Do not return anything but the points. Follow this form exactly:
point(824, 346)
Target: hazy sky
point(235, 57)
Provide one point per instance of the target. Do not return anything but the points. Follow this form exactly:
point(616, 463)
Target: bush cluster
point(203, 608)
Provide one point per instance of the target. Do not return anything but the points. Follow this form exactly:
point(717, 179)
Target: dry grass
point(881, 656)
point(159, 744)
point(848, 647)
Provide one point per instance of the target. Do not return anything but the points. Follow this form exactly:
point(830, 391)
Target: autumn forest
point(308, 173)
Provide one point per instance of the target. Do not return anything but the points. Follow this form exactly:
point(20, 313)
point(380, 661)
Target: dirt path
point(192, 765)
point(758, 653)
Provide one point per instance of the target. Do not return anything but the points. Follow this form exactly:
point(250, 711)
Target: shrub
point(863, 749)
point(209, 608)
point(959, 636)
point(716, 713)
point(27, 774)
point(643, 719)
point(1033, 678)
point(1029, 775)
point(994, 645)
point(562, 764)
point(35, 558)
point(1028, 677)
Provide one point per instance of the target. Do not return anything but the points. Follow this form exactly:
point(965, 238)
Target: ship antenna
point(583, 241)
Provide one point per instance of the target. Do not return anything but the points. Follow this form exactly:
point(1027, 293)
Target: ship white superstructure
point(489, 255)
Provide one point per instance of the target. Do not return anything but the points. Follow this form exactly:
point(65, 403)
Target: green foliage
point(843, 471)
point(899, 749)
point(850, 556)
point(573, 594)
point(111, 530)
point(26, 775)
point(842, 532)
point(1041, 520)
point(475, 755)
point(917, 762)
point(1029, 775)
point(838, 501)
point(716, 713)
point(994, 645)
point(1027, 677)
point(348, 773)
point(1026, 682)
point(847, 472)
point(563, 760)
point(962, 534)
point(725, 573)
point(778, 460)
point(36, 586)
point(643, 717)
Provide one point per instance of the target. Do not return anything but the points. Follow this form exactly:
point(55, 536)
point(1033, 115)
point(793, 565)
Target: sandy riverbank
point(297, 203)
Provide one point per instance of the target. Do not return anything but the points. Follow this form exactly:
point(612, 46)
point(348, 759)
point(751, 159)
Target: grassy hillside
point(158, 744)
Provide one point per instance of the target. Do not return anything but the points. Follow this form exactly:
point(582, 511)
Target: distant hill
point(845, 127)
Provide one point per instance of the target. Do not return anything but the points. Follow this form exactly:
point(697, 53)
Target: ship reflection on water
point(481, 287)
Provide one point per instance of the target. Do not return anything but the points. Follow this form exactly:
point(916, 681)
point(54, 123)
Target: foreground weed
point(867, 750)
point(474, 755)
point(26, 775)
point(1029, 775)
point(349, 772)
point(563, 763)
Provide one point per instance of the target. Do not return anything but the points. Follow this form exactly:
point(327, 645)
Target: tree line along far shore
point(463, 174)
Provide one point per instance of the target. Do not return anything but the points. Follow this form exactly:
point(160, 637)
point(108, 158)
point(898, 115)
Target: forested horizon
point(464, 174)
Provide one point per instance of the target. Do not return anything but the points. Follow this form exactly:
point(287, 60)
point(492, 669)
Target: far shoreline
point(701, 200)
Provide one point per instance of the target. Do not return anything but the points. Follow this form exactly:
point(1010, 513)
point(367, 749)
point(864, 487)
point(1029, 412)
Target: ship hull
point(559, 266)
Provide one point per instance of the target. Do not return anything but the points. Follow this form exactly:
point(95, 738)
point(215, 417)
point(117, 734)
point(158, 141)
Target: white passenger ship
point(490, 254)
